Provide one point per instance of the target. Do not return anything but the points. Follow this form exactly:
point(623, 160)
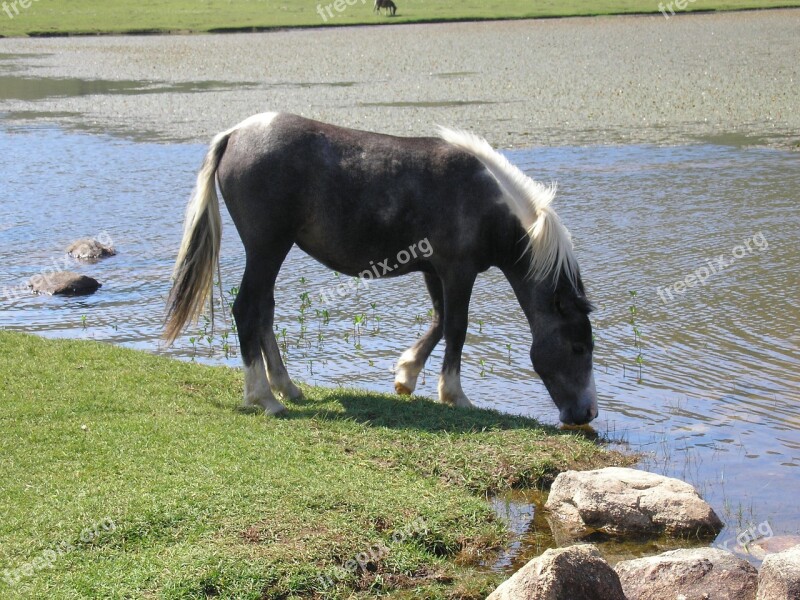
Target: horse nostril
point(579, 348)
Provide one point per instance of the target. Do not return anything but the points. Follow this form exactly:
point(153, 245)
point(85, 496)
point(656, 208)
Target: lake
point(702, 240)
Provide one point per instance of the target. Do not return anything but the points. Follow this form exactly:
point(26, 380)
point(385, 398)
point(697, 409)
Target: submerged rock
point(775, 543)
point(90, 250)
point(697, 574)
point(65, 283)
point(621, 501)
point(780, 576)
point(577, 572)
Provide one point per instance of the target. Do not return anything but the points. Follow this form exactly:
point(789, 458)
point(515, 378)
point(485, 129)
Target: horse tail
point(198, 257)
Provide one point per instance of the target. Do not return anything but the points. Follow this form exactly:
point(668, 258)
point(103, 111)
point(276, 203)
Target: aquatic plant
point(376, 320)
point(637, 333)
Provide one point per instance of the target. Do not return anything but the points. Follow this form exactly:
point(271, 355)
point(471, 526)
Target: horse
point(357, 201)
point(387, 4)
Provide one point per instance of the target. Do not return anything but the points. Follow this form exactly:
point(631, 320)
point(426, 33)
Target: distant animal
point(373, 205)
point(390, 7)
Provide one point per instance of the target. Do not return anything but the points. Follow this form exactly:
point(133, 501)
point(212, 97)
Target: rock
point(621, 501)
point(697, 574)
point(777, 543)
point(574, 573)
point(65, 283)
point(780, 576)
point(90, 250)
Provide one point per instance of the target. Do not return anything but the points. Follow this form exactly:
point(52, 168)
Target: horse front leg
point(457, 292)
point(412, 361)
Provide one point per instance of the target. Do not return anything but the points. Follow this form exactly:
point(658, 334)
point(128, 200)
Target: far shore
point(97, 17)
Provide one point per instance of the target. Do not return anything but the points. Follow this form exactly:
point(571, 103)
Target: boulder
point(577, 572)
point(696, 574)
point(619, 501)
point(89, 250)
point(779, 578)
point(64, 283)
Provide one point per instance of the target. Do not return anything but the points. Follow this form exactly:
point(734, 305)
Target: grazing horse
point(387, 4)
point(356, 201)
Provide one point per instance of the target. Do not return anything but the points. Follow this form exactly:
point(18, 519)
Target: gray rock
point(621, 501)
point(574, 573)
point(64, 283)
point(779, 578)
point(89, 250)
point(697, 574)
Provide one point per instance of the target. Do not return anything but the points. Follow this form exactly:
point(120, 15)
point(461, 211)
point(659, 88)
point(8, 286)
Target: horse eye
point(559, 307)
point(579, 348)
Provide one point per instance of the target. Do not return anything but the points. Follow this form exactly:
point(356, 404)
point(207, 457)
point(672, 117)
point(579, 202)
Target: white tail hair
point(198, 257)
point(549, 240)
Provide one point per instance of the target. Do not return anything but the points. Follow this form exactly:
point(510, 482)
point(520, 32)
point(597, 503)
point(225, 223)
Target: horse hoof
point(401, 389)
point(294, 394)
point(457, 400)
point(270, 405)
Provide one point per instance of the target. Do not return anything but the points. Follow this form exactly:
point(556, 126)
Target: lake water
point(714, 402)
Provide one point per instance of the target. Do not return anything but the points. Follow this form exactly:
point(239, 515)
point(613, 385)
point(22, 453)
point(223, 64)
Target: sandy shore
point(729, 76)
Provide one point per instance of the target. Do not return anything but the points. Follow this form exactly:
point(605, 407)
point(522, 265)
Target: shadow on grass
point(415, 413)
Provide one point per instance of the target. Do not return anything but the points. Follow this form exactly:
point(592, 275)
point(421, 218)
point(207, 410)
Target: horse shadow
point(416, 413)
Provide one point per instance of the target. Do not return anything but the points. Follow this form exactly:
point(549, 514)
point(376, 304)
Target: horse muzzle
point(584, 410)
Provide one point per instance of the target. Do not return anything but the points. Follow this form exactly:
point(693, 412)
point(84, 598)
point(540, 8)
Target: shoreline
point(223, 30)
point(423, 21)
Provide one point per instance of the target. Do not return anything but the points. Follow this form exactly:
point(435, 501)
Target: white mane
point(549, 240)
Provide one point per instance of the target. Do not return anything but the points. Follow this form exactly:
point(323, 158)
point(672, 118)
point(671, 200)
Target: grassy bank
point(122, 16)
point(132, 475)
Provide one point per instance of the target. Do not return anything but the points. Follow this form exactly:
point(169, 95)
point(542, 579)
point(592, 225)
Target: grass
point(51, 17)
point(132, 475)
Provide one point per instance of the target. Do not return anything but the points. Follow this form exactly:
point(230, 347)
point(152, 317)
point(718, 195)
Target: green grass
point(120, 16)
point(208, 500)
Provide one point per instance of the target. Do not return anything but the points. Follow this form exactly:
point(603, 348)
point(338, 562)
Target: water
point(717, 400)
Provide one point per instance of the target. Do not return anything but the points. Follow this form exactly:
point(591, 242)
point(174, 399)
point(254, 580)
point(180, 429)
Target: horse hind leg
point(264, 367)
point(269, 266)
point(248, 316)
point(278, 375)
point(411, 362)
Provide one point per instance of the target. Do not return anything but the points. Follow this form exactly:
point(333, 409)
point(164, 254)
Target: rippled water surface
point(716, 401)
